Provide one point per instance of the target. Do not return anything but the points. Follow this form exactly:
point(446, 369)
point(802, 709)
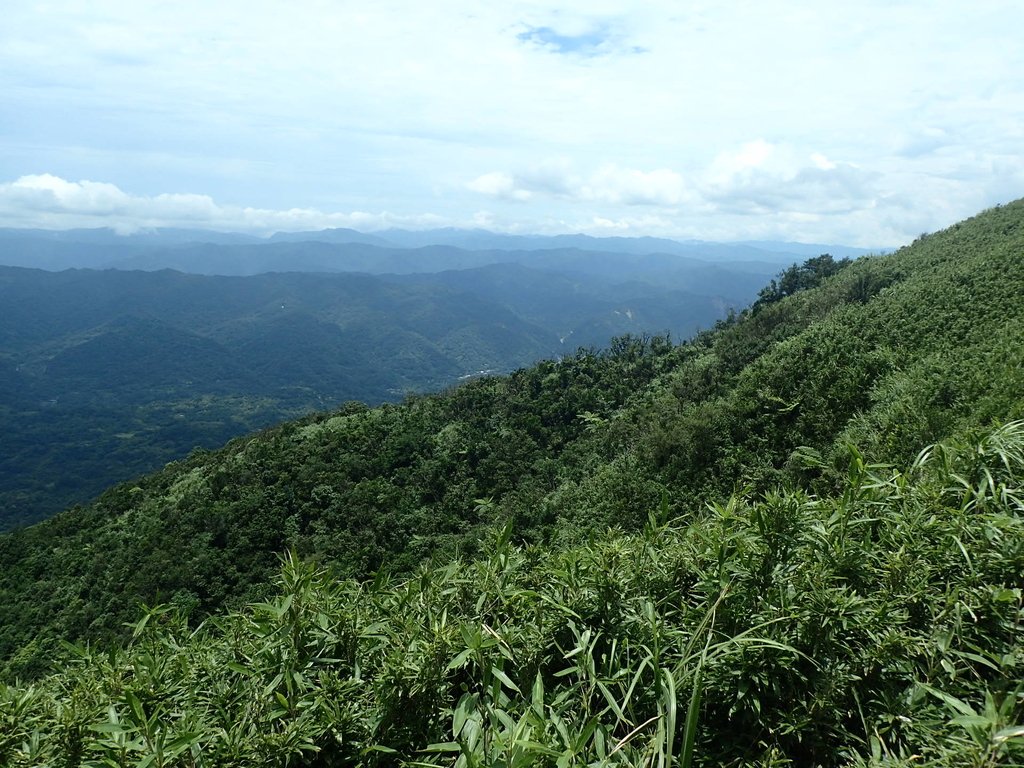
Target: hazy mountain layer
point(205, 252)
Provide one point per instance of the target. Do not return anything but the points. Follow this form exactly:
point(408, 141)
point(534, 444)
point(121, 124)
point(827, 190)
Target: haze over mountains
point(395, 250)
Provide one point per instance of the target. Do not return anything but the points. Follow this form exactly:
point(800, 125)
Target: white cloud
point(46, 192)
point(50, 202)
point(630, 225)
point(610, 184)
point(821, 162)
point(757, 177)
point(730, 116)
point(742, 162)
point(764, 178)
point(498, 184)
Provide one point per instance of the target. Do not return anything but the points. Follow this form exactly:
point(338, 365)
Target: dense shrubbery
point(799, 277)
point(882, 625)
point(360, 488)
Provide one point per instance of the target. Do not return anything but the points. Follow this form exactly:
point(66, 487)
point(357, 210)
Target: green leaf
point(136, 706)
point(140, 626)
point(1007, 734)
point(462, 712)
point(692, 718)
point(505, 679)
point(506, 719)
point(460, 660)
point(444, 746)
point(537, 695)
point(182, 742)
point(669, 696)
point(380, 748)
point(951, 701)
point(283, 607)
point(535, 746)
point(972, 721)
point(112, 728)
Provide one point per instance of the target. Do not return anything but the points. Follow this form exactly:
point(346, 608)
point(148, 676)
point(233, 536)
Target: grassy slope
point(882, 625)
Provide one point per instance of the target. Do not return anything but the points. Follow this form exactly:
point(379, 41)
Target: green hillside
point(879, 626)
point(697, 563)
point(108, 375)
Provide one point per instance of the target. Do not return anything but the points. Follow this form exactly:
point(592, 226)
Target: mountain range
point(346, 250)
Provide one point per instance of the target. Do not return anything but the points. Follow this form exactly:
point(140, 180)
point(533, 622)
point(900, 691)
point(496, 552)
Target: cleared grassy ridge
point(881, 625)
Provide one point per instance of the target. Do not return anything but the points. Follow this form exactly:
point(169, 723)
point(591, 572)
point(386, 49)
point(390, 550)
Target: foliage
point(799, 277)
point(655, 555)
point(360, 488)
point(882, 625)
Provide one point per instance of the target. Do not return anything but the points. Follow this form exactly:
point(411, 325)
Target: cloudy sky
point(863, 122)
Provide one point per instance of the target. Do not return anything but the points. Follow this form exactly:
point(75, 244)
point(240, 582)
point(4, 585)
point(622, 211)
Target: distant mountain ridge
point(233, 253)
point(484, 240)
point(187, 338)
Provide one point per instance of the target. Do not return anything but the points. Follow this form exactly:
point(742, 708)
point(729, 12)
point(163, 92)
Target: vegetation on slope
point(113, 374)
point(361, 488)
point(887, 353)
point(881, 625)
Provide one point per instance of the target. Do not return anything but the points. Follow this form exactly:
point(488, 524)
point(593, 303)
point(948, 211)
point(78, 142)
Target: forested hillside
point(105, 375)
point(731, 551)
point(112, 374)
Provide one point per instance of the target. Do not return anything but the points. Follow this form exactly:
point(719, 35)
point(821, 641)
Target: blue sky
point(859, 122)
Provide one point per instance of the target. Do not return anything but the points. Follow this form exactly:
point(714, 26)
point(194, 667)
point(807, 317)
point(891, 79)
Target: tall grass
point(881, 626)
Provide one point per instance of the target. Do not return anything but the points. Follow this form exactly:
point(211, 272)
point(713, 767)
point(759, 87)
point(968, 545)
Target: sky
point(866, 122)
